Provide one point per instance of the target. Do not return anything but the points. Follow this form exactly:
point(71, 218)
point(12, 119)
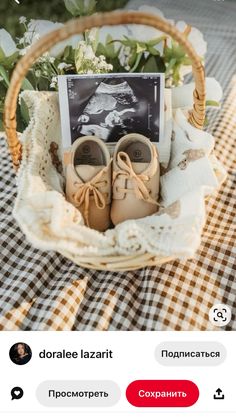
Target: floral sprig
point(121, 49)
point(86, 59)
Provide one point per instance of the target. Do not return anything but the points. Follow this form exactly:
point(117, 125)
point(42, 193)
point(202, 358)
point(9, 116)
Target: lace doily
point(51, 223)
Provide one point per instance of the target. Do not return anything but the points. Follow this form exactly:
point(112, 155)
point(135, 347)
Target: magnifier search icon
point(220, 315)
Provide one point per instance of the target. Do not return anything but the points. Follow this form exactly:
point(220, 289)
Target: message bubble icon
point(17, 393)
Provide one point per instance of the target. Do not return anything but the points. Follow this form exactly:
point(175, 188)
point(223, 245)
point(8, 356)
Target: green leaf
point(24, 112)
point(170, 65)
point(212, 103)
point(108, 5)
point(151, 66)
point(176, 74)
point(43, 84)
point(186, 61)
point(116, 65)
point(152, 50)
point(92, 7)
point(32, 78)
point(156, 41)
point(8, 62)
point(69, 55)
point(26, 85)
point(127, 42)
point(4, 75)
point(132, 58)
point(154, 65)
point(206, 122)
point(3, 92)
point(66, 52)
point(21, 125)
point(101, 49)
point(175, 52)
point(141, 47)
point(141, 65)
point(136, 64)
point(160, 64)
point(80, 7)
point(72, 7)
point(110, 47)
point(1, 122)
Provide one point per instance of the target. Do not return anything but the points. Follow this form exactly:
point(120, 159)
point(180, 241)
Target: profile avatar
point(20, 353)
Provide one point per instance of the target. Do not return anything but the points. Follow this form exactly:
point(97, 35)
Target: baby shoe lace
point(138, 180)
point(88, 190)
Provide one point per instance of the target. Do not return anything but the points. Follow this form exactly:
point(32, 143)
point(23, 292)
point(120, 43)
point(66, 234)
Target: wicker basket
point(76, 26)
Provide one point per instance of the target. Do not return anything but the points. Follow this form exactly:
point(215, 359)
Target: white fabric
point(182, 96)
point(51, 223)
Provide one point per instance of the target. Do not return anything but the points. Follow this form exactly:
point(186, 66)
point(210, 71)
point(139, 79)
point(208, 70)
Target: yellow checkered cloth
point(44, 291)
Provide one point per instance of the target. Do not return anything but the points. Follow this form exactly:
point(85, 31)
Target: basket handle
point(79, 25)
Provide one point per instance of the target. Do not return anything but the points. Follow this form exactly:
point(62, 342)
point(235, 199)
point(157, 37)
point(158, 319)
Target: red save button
point(162, 393)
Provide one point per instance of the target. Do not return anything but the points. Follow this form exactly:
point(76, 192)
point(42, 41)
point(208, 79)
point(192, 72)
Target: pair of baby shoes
point(109, 190)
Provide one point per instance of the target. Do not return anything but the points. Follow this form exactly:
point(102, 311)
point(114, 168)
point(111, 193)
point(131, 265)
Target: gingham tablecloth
point(44, 291)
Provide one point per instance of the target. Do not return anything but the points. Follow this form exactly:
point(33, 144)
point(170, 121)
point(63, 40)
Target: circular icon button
point(220, 315)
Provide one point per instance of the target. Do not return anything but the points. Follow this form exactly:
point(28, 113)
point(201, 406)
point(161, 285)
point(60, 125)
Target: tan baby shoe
point(136, 176)
point(88, 180)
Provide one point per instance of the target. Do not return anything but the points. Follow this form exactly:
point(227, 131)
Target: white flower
point(184, 70)
point(124, 56)
point(214, 90)
point(7, 44)
point(63, 66)
point(82, 46)
point(24, 50)
point(1, 78)
point(182, 96)
point(53, 83)
point(89, 54)
point(100, 65)
point(36, 37)
point(38, 28)
point(195, 37)
point(27, 38)
point(92, 35)
point(38, 73)
point(144, 33)
point(22, 20)
point(116, 32)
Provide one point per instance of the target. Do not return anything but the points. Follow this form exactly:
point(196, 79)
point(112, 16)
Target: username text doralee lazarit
point(82, 354)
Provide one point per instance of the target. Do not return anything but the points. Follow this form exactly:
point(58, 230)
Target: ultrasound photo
point(111, 105)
